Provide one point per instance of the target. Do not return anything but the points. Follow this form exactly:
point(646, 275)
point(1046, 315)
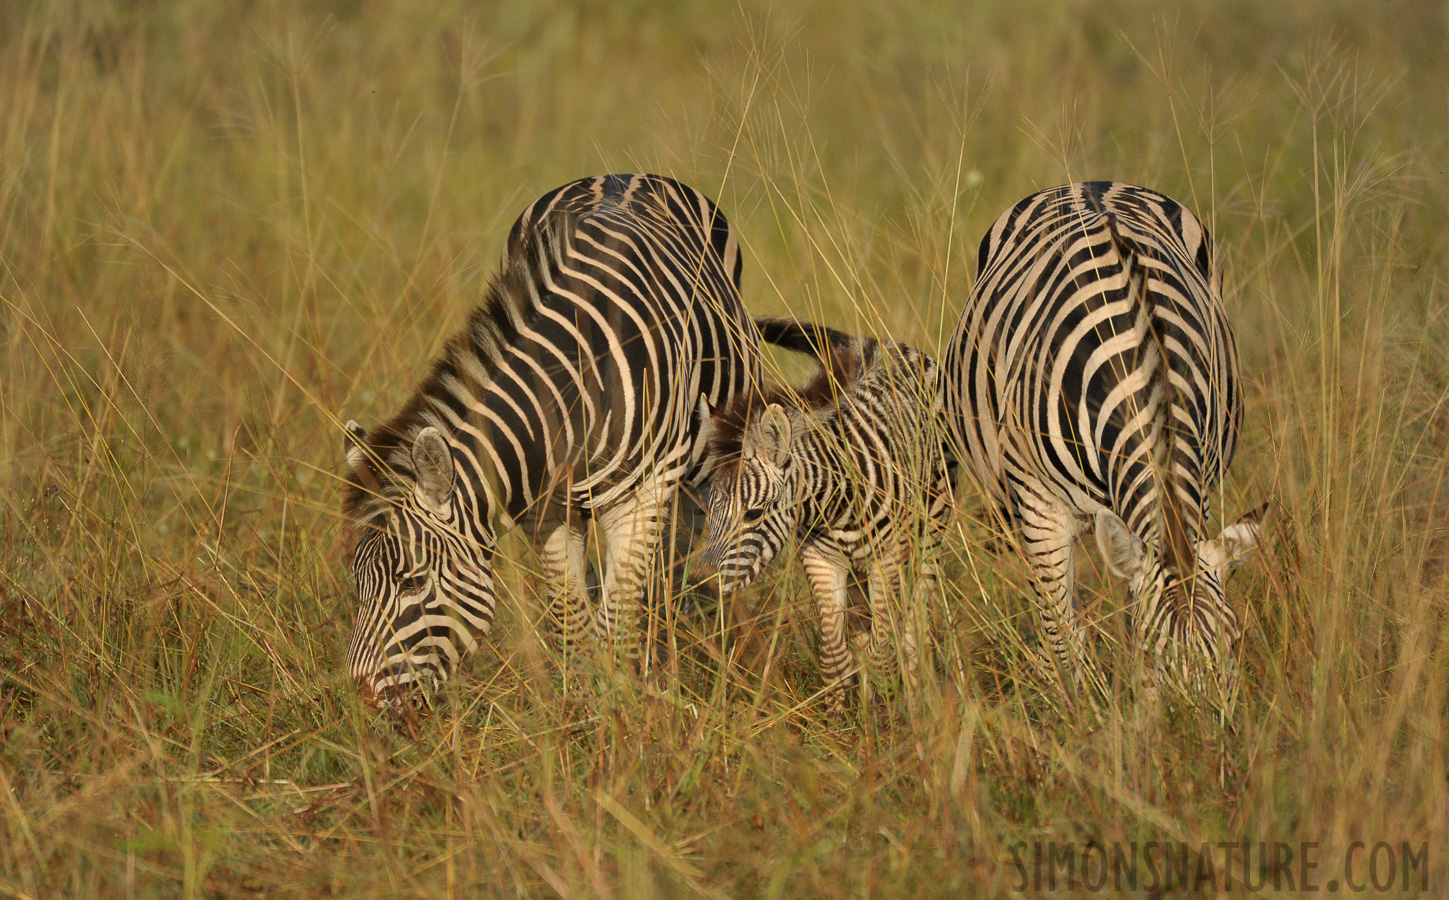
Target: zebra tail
point(1178, 541)
point(809, 338)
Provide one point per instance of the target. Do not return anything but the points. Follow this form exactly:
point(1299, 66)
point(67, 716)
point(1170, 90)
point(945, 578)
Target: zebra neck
point(823, 472)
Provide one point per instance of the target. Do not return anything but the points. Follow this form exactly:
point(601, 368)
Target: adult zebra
point(1092, 381)
point(577, 390)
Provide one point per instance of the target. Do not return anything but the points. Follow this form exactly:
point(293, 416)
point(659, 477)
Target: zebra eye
point(754, 514)
point(411, 584)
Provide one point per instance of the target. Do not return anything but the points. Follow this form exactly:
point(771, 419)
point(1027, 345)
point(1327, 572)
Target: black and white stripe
point(853, 465)
point(579, 389)
point(1092, 382)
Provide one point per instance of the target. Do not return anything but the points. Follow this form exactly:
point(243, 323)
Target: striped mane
point(471, 356)
point(841, 368)
point(537, 244)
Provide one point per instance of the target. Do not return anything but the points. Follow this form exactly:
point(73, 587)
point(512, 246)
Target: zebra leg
point(885, 643)
point(685, 591)
point(631, 531)
point(562, 553)
point(1049, 534)
point(828, 573)
point(925, 591)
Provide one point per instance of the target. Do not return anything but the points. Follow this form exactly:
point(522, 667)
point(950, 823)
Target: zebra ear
point(772, 436)
point(433, 466)
point(706, 419)
point(1236, 541)
point(1122, 550)
point(356, 445)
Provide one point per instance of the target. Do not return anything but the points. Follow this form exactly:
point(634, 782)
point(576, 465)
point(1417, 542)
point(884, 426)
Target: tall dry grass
point(223, 228)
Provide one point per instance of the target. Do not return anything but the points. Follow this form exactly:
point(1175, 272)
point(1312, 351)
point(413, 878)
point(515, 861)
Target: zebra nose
point(374, 700)
point(393, 698)
point(707, 587)
point(704, 577)
point(715, 582)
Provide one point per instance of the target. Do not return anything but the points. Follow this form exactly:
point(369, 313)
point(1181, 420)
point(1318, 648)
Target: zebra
point(579, 389)
point(1092, 382)
point(853, 464)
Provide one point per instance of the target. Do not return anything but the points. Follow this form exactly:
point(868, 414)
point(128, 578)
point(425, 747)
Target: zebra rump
point(1092, 382)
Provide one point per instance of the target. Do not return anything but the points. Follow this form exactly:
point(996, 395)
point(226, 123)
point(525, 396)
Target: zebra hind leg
point(1049, 535)
point(883, 579)
point(891, 647)
point(678, 607)
point(687, 593)
point(925, 592)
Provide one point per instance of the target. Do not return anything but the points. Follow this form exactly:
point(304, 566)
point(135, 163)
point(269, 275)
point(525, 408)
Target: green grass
point(222, 232)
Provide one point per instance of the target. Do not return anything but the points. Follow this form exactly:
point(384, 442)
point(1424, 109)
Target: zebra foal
point(1092, 383)
point(853, 465)
point(578, 390)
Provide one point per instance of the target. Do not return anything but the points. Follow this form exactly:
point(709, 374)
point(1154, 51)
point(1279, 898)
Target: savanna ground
point(225, 226)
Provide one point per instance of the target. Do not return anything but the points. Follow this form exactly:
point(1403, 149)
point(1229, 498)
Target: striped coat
point(1092, 384)
point(853, 466)
point(578, 390)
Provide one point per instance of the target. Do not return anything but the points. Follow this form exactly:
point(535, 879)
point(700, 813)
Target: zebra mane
point(536, 244)
point(802, 337)
point(841, 368)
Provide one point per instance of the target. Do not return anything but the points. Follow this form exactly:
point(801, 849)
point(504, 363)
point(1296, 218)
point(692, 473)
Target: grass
point(224, 228)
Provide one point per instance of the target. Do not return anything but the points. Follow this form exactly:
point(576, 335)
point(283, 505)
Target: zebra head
point(423, 573)
point(1185, 623)
point(752, 501)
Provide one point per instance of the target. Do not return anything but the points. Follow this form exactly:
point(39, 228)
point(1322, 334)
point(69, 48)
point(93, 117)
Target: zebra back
point(576, 320)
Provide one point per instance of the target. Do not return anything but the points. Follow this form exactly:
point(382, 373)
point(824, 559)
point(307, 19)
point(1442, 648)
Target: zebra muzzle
point(710, 580)
point(401, 701)
point(704, 577)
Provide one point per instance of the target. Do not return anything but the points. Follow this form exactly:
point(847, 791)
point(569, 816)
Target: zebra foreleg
point(828, 574)
point(561, 552)
point(631, 531)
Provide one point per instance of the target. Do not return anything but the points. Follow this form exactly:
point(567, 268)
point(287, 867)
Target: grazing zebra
point(1092, 381)
point(854, 465)
point(580, 389)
